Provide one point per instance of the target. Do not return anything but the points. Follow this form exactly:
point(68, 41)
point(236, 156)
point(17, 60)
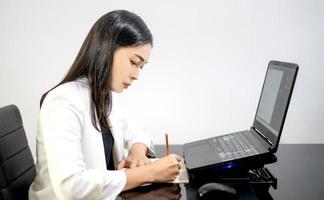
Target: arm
point(60, 124)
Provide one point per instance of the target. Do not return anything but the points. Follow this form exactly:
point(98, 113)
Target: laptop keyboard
point(232, 146)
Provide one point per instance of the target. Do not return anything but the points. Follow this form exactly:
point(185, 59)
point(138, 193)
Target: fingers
point(177, 160)
point(133, 161)
point(147, 161)
point(121, 165)
point(133, 164)
point(175, 166)
point(142, 163)
point(177, 157)
point(136, 163)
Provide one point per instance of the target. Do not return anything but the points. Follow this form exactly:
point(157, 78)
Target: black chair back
point(17, 167)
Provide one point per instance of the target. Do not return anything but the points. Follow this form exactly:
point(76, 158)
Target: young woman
point(85, 149)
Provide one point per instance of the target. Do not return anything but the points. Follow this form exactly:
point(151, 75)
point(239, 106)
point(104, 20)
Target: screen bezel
point(287, 68)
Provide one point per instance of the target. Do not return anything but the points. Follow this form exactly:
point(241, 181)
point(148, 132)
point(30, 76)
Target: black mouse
point(216, 191)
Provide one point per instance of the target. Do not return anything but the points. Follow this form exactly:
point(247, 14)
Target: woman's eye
point(136, 64)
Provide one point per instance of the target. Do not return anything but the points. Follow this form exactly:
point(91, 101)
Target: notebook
point(261, 139)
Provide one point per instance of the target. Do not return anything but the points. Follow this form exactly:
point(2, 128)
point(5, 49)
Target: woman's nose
point(135, 75)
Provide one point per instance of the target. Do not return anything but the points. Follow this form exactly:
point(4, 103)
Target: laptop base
point(237, 168)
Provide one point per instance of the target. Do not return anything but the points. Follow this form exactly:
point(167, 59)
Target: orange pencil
point(167, 150)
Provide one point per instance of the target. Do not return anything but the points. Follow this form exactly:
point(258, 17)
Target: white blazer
point(70, 153)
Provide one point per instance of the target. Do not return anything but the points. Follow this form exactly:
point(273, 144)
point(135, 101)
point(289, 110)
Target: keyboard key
point(232, 146)
point(237, 154)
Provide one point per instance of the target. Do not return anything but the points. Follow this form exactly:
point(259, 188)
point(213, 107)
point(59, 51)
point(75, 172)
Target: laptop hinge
point(264, 137)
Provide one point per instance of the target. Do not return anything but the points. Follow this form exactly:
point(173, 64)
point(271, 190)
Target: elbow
point(74, 188)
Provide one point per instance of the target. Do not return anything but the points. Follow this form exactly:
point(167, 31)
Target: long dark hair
point(119, 28)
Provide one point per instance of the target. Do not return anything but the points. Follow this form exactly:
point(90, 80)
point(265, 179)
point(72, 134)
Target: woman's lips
point(126, 85)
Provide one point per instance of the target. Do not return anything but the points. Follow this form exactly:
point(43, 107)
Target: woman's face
point(127, 63)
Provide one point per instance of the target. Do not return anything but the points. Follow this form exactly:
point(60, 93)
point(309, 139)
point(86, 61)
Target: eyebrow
point(140, 57)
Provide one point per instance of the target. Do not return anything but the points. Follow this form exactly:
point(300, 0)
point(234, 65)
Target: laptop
point(257, 145)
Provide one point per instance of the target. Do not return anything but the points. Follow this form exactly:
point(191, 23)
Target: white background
point(206, 70)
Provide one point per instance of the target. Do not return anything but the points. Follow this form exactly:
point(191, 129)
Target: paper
point(183, 173)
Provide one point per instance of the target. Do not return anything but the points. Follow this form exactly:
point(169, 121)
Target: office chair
point(17, 167)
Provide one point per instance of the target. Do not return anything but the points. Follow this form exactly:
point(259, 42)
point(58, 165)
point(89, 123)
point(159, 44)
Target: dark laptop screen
point(274, 99)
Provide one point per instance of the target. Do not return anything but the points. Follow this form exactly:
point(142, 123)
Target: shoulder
point(75, 93)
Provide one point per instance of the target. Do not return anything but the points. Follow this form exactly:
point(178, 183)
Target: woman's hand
point(166, 169)
point(136, 157)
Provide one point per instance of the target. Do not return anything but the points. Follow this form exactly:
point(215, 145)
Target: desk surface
point(298, 170)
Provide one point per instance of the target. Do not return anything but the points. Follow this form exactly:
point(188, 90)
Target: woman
point(85, 150)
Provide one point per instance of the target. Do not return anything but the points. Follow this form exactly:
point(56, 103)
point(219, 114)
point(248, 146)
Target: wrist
point(149, 171)
point(139, 149)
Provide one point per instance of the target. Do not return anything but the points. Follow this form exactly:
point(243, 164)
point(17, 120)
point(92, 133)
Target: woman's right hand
point(166, 169)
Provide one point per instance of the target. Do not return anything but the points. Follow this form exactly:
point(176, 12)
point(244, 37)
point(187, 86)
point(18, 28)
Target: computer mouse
point(216, 191)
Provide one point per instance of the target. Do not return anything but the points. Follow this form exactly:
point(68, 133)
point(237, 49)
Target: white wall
point(206, 69)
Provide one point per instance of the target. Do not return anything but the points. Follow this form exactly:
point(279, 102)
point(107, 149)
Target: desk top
point(298, 170)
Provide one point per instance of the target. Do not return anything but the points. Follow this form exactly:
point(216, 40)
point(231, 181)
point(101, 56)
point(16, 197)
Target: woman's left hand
point(136, 157)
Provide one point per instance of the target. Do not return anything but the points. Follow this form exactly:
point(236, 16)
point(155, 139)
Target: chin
point(119, 90)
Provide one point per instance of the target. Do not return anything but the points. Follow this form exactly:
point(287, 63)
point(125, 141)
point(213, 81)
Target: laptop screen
point(274, 100)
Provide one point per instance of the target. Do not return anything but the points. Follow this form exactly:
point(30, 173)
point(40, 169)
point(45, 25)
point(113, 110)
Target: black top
point(108, 142)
